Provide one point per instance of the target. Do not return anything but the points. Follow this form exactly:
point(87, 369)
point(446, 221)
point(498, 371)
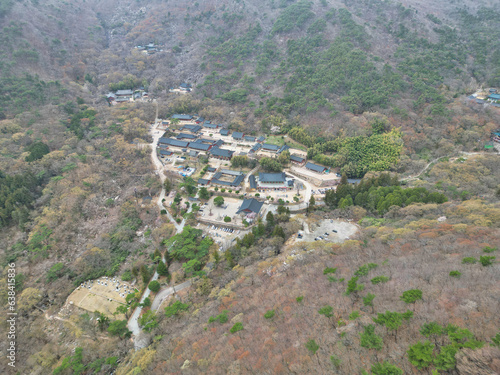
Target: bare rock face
point(485, 361)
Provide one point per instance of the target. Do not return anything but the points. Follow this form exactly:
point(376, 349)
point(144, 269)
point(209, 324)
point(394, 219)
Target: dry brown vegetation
point(418, 258)
point(88, 216)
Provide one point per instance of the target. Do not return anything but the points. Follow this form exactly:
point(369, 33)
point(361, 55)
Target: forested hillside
point(374, 90)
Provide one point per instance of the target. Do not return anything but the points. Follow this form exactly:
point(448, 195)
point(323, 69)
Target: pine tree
point(420, 354)
point(162, 269)
point(156, 256)
point(270, 221)
point(278, 232)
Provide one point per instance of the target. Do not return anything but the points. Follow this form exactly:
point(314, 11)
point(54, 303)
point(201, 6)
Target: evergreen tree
point(278, 232)
point(411, 296)
point(203, 193)
point(370, 340)
point(156, 256)
point(162, 269)
point(386, 368)
point(420, 354)
point(270, 221)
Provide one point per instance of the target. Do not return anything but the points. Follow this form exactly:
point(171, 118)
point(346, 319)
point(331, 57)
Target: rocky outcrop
point(485, 361)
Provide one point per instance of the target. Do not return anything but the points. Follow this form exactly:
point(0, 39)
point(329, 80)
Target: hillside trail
point(411, 178)
point(138, 337)
point(49, 317)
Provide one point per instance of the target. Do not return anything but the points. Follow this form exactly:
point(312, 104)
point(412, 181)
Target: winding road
point(139, 338)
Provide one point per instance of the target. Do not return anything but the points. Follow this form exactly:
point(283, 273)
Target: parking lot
point(329, 230)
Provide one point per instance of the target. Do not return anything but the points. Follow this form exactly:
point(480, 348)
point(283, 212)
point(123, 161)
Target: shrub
point(56, 271)
point(312, 346)
point(456, 274)
point(489, 249)
point(237, 327)
point(127, 276)
point(154, 286)
point(163, 212)
point(227, 219)
point(354, 315)
point(411, 296)
point(299, 298)
point(335, 361)
point(379, 279)
point(221, 318)
point(364, 269)
point(328, 270)
point(269, 314)
point(469, 260)
point(176, 308)
point(486, 260)
point(222, 190)
point(326, 311)
point(496, 340)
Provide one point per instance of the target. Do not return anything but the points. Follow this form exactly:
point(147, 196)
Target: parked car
point(326, 234)
point(334, 231)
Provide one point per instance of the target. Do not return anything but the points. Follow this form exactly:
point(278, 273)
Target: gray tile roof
point(192, 128)
point(182, 117)
point(124, 92)
point(224, 132)
point(237, 135)
point(199, 146)
point(283, 148)
point(185, 135)
point(272, 177)
point(270, 147)
point(203, 181)
point(250, 204)
point(173, 142)
point(249, 138)
point(251, 180)
point(256, 147)
point(315, 167)
point(216, 151)
point(298, 159)
point(210, 126)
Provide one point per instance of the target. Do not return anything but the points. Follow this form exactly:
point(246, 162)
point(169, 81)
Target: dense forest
point(373, 90)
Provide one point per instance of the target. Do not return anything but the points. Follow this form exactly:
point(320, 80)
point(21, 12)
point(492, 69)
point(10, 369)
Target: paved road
point(164, 293)
point(308, 193)
point(140, 340)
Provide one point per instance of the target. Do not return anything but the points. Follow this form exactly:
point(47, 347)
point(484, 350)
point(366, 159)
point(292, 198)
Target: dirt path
point(48, 317)
point(411, 178)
